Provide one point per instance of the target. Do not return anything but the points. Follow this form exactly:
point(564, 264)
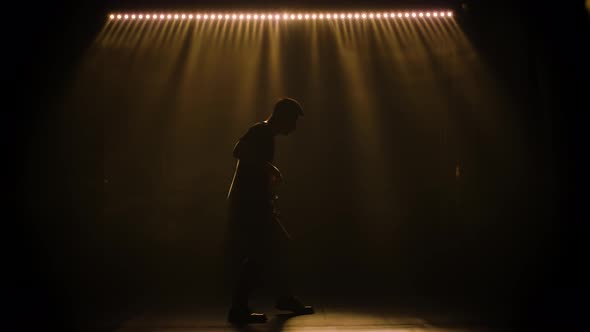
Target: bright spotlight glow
point(286, 15)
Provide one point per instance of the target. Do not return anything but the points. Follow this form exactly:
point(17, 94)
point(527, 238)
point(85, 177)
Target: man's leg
point(249, 278)
point(286, 299)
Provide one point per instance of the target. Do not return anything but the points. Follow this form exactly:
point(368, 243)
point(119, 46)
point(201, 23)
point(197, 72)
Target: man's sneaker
point(245, 316)
point(292, 303)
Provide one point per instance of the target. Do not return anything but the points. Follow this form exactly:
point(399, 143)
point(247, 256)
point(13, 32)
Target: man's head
point(284, 116)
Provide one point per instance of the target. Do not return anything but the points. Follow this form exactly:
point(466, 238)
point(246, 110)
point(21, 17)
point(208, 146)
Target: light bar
point(285, 16)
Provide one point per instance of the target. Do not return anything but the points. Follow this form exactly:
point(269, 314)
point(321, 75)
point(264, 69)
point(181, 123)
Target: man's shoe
point(292, 303)
point(245, 316)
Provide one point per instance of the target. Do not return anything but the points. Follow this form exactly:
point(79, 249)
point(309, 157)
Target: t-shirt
point(251, 179)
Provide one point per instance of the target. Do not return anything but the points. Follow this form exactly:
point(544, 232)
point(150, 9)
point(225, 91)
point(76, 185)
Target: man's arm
point(244, 153)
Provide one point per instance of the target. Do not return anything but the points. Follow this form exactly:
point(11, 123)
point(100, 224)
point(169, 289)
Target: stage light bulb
point(126, 16)
point(314, 16)
point(321, 16)
point(307, 16)
point(299, 16)
point(427, 14)
point(399, 14)
point(435, 14)
point(356, 15)
point(449, 14)
point(371, 15)
point(378, 15)
point(349, 15)
point(407, 14)
point(364, 15)
point(112, 17)
point(133, 16)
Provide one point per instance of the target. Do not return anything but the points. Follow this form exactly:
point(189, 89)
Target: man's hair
point(287, 106)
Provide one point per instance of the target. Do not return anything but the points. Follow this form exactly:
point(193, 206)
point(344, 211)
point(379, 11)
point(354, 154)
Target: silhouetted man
point(256, 234)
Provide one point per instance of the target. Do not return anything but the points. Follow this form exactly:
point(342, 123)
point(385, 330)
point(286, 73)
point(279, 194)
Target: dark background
point(523, 258)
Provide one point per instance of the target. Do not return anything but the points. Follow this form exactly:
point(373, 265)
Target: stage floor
point(331, 315)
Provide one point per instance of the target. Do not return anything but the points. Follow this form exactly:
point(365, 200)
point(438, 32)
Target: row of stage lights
point(301, 16)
